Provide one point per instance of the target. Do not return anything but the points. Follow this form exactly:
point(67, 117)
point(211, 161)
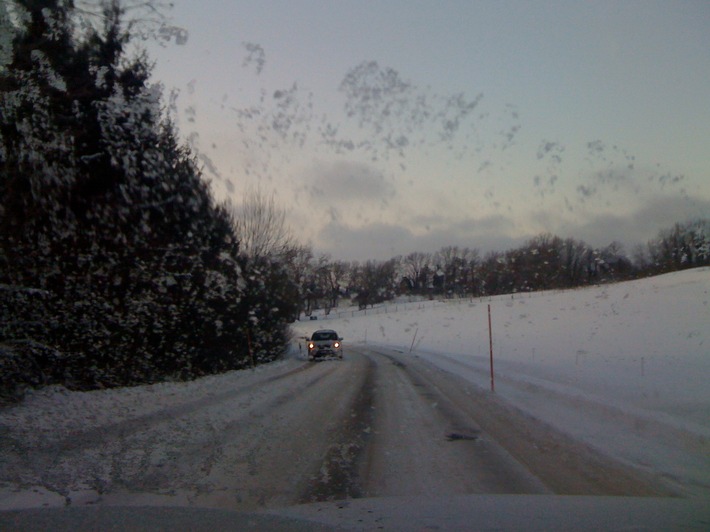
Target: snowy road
point(380, 423)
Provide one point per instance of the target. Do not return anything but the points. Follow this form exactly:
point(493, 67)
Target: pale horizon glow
point(385, 128)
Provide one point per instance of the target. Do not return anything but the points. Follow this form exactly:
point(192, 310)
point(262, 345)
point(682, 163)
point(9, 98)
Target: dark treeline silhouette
point(544, 262)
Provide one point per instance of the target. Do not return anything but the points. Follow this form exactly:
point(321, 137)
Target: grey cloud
point(382, 241)
point(375, 241)
point(630, 229)
point(443, 228)
point(494, 224)
point(490, 233)
point(612, 179)
point(349, 181)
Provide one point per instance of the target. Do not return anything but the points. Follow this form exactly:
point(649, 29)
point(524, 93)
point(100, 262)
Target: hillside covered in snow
point(624, 367)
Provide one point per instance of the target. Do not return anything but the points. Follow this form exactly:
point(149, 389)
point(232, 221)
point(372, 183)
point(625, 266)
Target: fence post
point(414, 338)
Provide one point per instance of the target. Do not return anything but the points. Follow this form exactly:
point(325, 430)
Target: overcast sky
point(391, 126)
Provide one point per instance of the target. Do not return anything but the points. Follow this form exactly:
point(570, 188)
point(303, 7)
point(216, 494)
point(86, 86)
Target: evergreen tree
point(118, 267)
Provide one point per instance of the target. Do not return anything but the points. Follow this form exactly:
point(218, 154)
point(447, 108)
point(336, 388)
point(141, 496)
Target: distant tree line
point(542, 263)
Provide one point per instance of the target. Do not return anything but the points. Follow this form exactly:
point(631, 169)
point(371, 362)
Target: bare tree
point(332, 276)
point(414, 267)
point(260, 227)
point(468, 277)
point(299, 263)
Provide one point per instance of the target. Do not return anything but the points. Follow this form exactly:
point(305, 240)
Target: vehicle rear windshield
point(330, 335)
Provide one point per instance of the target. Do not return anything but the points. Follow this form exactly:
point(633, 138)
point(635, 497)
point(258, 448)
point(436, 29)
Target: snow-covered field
point(624, 367)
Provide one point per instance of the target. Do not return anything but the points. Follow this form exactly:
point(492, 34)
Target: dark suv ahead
point(323, 343)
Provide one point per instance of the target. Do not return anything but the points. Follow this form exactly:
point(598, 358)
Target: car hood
point(459, 512)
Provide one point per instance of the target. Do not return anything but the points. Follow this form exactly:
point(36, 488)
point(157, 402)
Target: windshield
point(503, 206)
point(327, 335)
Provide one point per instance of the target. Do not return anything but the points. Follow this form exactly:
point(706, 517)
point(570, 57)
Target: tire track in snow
point(426, 444)
point(128, 454)
point(338, 477)
point(76, 440)
point(564, 465)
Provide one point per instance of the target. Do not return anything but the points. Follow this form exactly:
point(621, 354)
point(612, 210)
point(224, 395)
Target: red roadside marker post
point(490, 344)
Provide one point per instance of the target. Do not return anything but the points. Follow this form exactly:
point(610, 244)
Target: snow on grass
point(625, 367)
